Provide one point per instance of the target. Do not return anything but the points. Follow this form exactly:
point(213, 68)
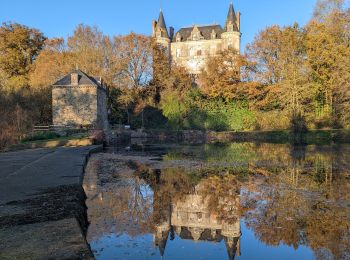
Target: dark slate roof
point(205, 31)
point(161, 23)
point(83, 79)
point(161, 20)
point(205, 235)
point(231, 17)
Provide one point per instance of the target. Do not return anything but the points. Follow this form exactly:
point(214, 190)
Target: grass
point(50, 136)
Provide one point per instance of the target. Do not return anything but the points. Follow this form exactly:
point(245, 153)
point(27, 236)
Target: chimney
point(171, 33)
point(74, 79)
point(154, 26)
point(238, 21)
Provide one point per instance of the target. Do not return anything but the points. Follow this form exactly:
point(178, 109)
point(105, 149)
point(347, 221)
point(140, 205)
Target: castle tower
point(160, 32)
point(232, 31)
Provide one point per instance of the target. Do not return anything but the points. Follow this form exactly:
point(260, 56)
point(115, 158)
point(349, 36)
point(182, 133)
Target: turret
point(232, 35)
point(160, 32)
point(231, 20)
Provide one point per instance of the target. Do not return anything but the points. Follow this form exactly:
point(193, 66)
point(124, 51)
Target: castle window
point(192, 51)
point(159, 33)
point(199, 52)
point(230, 27)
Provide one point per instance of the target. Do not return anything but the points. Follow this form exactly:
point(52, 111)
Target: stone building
point(190, 47)
point(79, 100)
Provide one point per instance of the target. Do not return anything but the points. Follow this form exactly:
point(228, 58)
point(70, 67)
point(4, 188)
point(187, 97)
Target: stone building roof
point(205, 32)
point(83, 79)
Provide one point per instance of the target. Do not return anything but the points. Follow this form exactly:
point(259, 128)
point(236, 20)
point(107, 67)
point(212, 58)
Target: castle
point(190, 47)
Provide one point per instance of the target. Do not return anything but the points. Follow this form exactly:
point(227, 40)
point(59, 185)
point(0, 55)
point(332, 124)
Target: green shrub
point(218, 115)
point(40, 136)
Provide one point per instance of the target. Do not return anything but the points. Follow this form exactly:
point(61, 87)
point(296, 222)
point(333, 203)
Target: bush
point(40, 136)
point(218, 115)
point(272, 120)
point(97, 135)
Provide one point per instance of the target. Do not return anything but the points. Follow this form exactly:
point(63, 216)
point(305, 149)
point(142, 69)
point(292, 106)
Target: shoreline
point(318, 137)
point(42, 207)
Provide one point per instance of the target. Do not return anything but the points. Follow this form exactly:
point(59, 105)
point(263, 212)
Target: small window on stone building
point(199, 52)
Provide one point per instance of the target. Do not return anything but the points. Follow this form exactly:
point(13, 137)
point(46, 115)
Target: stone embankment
point(42, 204)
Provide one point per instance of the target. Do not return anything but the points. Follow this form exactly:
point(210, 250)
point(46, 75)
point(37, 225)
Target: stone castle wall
point(193, 54)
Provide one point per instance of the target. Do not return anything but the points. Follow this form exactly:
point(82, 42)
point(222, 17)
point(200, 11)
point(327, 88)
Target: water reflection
point(294, 200)
point(198, 213)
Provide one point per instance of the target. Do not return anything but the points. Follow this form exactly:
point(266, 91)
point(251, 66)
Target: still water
point(219, 201)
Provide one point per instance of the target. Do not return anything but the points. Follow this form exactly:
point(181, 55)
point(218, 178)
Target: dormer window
point(196, 34)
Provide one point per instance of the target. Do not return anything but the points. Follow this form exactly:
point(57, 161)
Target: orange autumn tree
point(228, 76)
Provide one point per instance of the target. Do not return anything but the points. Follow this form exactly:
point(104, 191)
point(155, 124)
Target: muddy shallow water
point(219, 201)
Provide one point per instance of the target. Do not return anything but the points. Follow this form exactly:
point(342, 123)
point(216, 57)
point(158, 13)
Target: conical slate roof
point(231, 248)
point(231, 17)
point(161, 22)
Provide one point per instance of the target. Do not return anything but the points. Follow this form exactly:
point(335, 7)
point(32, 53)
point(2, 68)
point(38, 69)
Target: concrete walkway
point(40, 192)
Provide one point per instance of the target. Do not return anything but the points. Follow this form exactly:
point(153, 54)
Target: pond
point(219, 201)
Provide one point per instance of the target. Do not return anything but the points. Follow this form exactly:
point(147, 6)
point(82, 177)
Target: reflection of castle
point(191, 218)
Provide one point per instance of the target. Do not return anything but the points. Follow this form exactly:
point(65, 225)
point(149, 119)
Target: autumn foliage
point(286, 74)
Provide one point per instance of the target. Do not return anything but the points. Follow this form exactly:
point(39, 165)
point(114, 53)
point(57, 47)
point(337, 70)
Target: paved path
point(33, 187)
point(26, 173)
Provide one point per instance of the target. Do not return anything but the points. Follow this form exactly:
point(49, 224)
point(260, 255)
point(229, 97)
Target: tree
point(279, 54)
point(19, 47)
point(53, 62)
point(135, 55)
point(94, 53)
point(264, 51)
point(324, 7)
point(221, 77)
point(328, 51)
point(294, 90)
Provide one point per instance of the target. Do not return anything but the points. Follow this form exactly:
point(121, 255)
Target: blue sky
point(114, 17)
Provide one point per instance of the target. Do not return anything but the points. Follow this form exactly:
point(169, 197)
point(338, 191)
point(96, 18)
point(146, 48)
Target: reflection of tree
point(290, 195)
point(222, 195)
point(118, 206)
point(304, 203)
